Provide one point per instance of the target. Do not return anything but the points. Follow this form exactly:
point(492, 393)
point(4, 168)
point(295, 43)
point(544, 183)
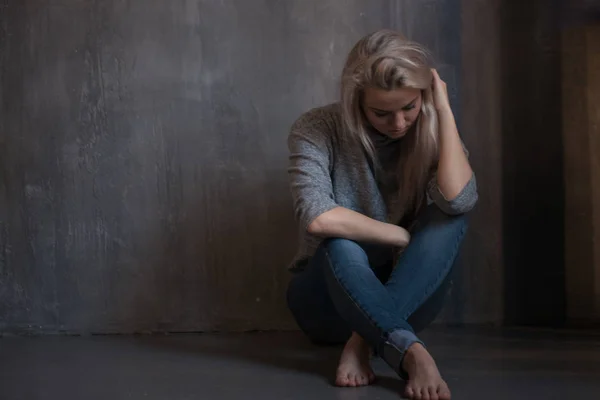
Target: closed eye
point(383, 113)
point(380, 113)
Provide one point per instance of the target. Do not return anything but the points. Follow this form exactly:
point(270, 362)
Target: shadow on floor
point(289, 351)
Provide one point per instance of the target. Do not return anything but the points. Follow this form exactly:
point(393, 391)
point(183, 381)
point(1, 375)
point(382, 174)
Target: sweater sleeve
point(310, 155)
point(464, 202)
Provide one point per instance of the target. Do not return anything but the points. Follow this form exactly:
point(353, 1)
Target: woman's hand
point(403, 237)
point(440, 92)
point(348, 224)
point(454, 171)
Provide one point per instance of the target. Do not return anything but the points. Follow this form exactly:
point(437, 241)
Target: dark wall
point(481, 299)
point(143, 153)
point(532, 164)
point(512, 117)
point(581, 133)
point(143, 157)
point(441, 25)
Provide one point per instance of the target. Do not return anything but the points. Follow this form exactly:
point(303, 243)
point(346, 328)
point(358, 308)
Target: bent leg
point(363, 301)
point(380, 313)
point(426, 314)
point(420, 279)
point(348, 287)
point(315, 313)
point(309, 302)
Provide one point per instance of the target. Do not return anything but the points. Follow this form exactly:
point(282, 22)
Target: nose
point(399, 122)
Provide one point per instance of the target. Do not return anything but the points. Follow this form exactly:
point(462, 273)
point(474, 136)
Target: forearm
point(345, 223)
point(454, 170)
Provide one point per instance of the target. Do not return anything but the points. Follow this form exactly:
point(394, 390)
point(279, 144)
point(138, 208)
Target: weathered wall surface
point(143, 155)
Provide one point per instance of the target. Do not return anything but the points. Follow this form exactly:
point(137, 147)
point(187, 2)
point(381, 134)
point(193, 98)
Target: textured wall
point(143, 155)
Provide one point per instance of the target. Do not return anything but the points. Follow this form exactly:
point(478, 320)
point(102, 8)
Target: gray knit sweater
point(327, 170)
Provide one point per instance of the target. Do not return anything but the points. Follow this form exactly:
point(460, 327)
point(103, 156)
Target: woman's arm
point(454, 171)
point(345, 223)
point(315, 207)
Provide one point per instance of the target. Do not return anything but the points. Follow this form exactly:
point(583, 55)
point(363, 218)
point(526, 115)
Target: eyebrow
point(387, 111)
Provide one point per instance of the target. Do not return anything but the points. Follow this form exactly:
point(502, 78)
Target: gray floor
point(508, 364)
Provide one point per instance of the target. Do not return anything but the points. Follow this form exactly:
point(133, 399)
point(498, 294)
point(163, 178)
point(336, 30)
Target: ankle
point(415, 349)
point(355, 338)
point(414, 356)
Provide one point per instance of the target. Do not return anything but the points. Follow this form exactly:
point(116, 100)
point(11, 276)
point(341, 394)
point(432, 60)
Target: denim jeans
point(343, 288)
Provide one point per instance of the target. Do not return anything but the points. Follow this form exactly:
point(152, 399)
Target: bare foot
point(424, 380)
point(354, 368)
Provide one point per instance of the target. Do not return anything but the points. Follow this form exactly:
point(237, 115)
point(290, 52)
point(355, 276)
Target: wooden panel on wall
point(581, 135)
point(481, 297)
point(532, 164)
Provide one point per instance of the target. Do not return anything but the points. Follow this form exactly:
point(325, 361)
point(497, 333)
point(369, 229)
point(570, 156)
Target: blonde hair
point(387, 60)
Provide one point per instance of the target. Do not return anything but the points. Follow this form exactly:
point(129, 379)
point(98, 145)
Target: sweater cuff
point(311, 213)
point(464, 202)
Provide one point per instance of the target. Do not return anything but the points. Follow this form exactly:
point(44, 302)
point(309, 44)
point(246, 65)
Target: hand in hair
point(454, 171)
point(440, 92)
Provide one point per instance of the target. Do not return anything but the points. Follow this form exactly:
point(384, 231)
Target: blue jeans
point(344, 288)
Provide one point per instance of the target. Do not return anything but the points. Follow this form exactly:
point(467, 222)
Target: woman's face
point(392, 112)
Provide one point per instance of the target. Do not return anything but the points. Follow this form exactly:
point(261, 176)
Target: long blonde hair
point(387, 60)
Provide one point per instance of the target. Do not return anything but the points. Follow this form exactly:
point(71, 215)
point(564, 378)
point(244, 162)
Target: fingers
point(436, 76)
point(438, 84)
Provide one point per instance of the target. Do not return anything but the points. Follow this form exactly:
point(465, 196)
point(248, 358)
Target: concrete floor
point(507, 364)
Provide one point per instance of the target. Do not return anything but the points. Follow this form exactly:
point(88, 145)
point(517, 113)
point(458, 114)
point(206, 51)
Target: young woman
point(381, 183)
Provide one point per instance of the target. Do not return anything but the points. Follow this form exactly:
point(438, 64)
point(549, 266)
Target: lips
point(397, 133)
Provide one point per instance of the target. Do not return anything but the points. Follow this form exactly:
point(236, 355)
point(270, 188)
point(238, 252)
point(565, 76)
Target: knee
point(338, 244)
point(427, 313)
point(433, 215)
point(335, 246)
point(437, 213)
point(340, 251)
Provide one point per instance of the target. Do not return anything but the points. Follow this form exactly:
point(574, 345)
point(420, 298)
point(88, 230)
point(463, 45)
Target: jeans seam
point(380, 347)
point(449, 262)
point(354, 301)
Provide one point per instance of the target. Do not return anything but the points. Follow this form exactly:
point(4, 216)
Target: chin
point(397, 135)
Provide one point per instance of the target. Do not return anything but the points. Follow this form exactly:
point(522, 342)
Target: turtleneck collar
point(379, 139)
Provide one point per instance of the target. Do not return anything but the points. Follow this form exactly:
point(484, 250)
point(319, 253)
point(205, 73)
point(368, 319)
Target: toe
point(409, 392)
point(425, 394)
point(444, 393)
point(371, 377)
point(418, 394)
point(342, 380)
point(358, 380)
point(351, 380)
point(364, 380)
point(433, 393)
